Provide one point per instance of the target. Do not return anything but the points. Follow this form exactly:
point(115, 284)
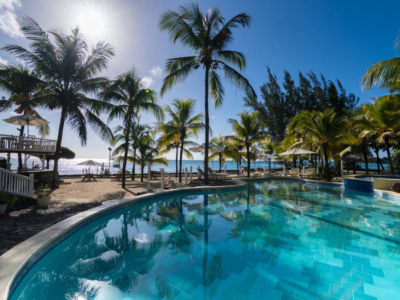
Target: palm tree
point(208, 36)
point(69, 71)
point(21, 84)
point(136, 133)
point(168, 142)
point(183, 123)
point(325, 129)
point(381, 120)
point(130, 96)
point(147, 150)
point(233, 148)
point(220, 142)
point(249, 130)
point(384, 74)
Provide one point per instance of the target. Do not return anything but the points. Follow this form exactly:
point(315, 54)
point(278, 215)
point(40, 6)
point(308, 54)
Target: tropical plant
point(183, 123)
point(233, 148)
point(130, 96)
point(385, 74)
point(249, 130)
point(137, 132)
point(382, 121)
point(147, 150)
point(6, 198)
point(63, 62)
point(172, 141)
point(324, 129)
point(220, 141)
point(21, 84)
point(208, 36)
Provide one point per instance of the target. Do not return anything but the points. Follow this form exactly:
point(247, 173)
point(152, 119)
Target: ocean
point(71, 167)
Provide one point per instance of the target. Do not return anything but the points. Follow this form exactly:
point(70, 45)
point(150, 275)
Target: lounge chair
point(308, 172)
point(222, 175)
point(168, 182)
point(262, 172)
point(252, 174)
point(211, 176)
point(293, 171)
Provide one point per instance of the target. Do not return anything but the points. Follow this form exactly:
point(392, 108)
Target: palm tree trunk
point(58, 146)
point(180, 162)
point(21, 134)
point(134, 164)
point(364, 146)
point(388, 154)
point(377, 159)
point(141, 172)
point(220, 162)
point(207, 128)
point(127, 133)
point(176, 161)
point(328, 177)
point(248, 160)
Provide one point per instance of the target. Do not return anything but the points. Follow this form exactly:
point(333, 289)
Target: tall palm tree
point(183, 123)
point(21, 84)
point(69, 70)
point(130, 96)
point(382, 121)
point(136, 133)
point(249, 130)
point(220, 142)
point(208, 36)
point(233, 149)
point(324, 128)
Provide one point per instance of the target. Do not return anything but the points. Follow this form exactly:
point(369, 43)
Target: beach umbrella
point(211, 148)
point(297, 151)
point(269, 157)
point(27, 120)
point(90, 163)
point(255, 148)
point(359, 156)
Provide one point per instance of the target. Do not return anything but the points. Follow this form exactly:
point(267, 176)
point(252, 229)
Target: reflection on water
point(265, 240)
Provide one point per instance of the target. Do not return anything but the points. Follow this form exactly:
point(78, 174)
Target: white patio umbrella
point(90, 163)
point(255, 148)
point(297, 151)
point(359, 156)
point(211, 148)
point(269, 157)
point(27, 120)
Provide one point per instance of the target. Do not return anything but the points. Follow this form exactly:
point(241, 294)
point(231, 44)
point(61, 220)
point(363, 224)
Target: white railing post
point(162, 178)
point(31, 182)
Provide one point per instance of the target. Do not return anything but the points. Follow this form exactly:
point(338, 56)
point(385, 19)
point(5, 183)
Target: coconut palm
point(130, 96)
point(325, 129)
point(171, 141)
point(147, 150)
point(381, 120)
point(208, 36)
point(220, 142)
point(136, 133)
point(183, 123)
point(69, 70)
point(384, 74)
point(21, 84)
point(249, 130)
point(233, 148)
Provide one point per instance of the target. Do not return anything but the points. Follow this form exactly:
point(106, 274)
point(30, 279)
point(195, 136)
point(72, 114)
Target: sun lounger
point(252, 174)
point(223, 175)
point(211, 176)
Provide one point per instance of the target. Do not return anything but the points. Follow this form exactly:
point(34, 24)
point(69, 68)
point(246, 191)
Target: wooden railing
point(26, 144)
point(16, 184)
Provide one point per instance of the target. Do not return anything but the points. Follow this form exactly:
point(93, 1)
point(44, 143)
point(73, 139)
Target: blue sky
point(339, 39)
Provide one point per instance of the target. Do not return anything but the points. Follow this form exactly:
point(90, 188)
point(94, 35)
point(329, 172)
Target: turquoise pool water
point(273, 240)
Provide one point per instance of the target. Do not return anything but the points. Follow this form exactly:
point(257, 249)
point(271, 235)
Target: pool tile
point(331, 278)
point(360, 260)
point(352, 266)
point(373, 271)
point(359, 296)
point(305, 293)
point(341, 292)
point(363, 277)
point(187, 285)
point(319, 286)
point(286, 287)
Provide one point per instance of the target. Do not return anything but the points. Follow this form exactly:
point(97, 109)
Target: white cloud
point(3, 61)
point(8, 18)
point(147, 81)
point(212, 117)
point(156, 71)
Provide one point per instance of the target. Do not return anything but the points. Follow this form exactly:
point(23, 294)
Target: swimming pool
point(274, 240)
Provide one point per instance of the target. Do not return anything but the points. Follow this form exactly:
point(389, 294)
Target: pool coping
point(16, 262)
